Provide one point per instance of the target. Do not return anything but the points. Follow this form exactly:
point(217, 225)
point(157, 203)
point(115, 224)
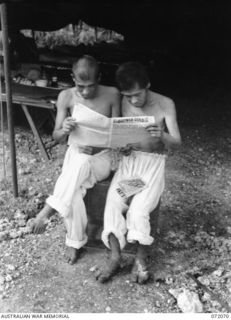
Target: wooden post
point(6, 61)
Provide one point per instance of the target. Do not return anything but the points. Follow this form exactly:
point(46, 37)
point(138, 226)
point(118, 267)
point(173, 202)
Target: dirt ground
point(189, 259)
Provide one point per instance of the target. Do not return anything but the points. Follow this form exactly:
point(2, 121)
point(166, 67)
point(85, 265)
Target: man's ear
point(148, 85)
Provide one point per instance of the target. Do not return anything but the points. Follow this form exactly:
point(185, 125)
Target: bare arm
point(172, 139)
point(63, 124)
point(116, 105)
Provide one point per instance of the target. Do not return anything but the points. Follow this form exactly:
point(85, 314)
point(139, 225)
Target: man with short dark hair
point(146, 161)
point(83, 165)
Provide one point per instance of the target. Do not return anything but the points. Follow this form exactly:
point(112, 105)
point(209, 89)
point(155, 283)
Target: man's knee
point(101, 169)
point(83, 158)
point(82, 162)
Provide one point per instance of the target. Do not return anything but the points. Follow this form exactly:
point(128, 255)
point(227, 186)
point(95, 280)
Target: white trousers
point(150, 168)
point(79, 172)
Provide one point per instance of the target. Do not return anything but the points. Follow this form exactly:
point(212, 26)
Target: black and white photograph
point(115, 159)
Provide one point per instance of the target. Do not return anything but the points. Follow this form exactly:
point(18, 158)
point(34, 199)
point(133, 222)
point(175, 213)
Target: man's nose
point(134, 99)
point(85, 91)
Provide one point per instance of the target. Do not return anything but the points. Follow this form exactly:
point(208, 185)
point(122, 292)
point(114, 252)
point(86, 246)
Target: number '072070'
point(220, 315)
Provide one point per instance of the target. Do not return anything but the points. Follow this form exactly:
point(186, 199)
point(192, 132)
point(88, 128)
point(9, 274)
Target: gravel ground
point(189, 261)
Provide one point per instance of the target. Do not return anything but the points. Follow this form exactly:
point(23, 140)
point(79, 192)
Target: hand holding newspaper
point(129, 130)
point(97, 130)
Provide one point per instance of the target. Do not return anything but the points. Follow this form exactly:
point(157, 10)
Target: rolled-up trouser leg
point(150, 168)
point(77, 175)
point(76, 223)
point(114, 221)
point(75, 171)
point(143, 203)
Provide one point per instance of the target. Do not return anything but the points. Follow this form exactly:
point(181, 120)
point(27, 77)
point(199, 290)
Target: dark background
point(186, 31)
point(185, 44)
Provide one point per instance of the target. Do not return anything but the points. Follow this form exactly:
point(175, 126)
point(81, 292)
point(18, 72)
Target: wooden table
point(38, 97)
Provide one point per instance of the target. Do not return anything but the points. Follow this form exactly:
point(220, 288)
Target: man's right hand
point(69, 124)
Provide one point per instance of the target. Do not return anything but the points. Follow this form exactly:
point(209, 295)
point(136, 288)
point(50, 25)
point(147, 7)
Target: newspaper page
point(88, 133)
point(130, 187)
point(127, 130)
point(96, 130)
point(92, 128)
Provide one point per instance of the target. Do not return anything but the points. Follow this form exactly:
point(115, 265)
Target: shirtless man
point(145, 160)
point(83, 165)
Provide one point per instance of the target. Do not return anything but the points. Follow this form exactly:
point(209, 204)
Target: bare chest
point(101, 105)
point(152, 110)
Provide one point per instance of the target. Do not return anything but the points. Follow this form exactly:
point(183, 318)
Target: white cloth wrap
point(150, 167)
point(79, 172)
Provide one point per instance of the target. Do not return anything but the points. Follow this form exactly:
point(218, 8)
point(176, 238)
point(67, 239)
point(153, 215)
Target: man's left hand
point(155, 130)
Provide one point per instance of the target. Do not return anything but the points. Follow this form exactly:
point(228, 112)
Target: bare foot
point(111, 269)
point(41, 220)
point(139, 272)
point(74, 255)
point(39, 224)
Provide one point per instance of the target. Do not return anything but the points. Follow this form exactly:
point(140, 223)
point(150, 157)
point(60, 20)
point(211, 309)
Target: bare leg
point(139, 272)
point(74, 255)
point(113, 264)
point(41, 220)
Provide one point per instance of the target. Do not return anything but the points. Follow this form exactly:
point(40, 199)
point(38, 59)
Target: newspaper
point(130, 187)
point(128, 130)
point(96, 130)
point(92, 128)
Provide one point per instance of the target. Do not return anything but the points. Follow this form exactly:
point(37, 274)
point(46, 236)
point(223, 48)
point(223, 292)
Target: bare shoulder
point(64, 97)
point(167, 104)
point(110, 92)
point(65, 94)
